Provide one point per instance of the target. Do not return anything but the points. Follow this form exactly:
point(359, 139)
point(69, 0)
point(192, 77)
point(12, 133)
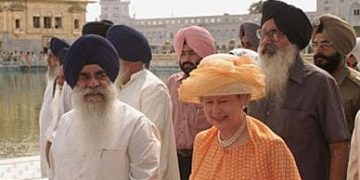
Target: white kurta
point(45, 118)
point(354, 158)
point(61, 104)
point(148, 94)
point(130, 149)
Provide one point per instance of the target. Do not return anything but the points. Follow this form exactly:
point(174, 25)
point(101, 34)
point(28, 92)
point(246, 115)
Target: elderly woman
point(237, 146)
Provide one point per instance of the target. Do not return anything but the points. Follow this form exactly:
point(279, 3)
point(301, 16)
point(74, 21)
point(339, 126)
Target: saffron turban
point(223, 74)
point(99, 28)
point(198, 38)
point(56, 45)
point(337, 30)
point(130, 44)
point(290, 20)
point(90, 49)
point(247, 32)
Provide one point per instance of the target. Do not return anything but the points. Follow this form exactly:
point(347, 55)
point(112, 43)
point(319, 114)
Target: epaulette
point(354, 76)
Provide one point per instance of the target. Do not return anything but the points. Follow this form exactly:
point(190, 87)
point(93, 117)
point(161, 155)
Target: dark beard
point(187, 67)
point(328, 63)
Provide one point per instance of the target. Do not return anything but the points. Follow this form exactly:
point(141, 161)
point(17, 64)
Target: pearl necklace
point(227, 143)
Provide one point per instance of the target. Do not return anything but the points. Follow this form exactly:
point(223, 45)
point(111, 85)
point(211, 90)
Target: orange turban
point(198, 38)
point(223, 74)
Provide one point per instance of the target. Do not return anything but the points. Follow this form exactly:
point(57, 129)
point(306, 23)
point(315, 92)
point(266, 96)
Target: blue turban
point(62, 54)
point(130, 44)
point(57, 44)
point(90, 49)
point(290, 20)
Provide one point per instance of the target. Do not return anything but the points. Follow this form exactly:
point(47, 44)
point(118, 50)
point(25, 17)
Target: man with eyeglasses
point(332, 40)
point(302, 102)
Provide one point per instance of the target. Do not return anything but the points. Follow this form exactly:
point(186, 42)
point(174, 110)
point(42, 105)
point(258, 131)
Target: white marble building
point(160, 31)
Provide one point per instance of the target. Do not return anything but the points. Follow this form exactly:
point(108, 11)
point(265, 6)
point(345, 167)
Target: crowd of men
point(106, 116)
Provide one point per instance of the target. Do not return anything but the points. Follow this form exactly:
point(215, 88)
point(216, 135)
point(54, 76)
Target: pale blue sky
point(183, 8)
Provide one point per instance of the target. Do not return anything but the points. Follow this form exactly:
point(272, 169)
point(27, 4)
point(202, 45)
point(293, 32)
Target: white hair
point(276, 69)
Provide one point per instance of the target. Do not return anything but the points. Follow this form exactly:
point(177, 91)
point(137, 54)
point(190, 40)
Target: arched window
point(356, 12)
point(76, 24)
point(17, 23)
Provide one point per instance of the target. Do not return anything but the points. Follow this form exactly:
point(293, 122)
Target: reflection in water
point(20, 102)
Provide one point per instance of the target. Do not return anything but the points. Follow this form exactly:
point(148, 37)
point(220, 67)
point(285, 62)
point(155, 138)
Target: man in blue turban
point(141, 89)
point(45, 115)
point(101, 138)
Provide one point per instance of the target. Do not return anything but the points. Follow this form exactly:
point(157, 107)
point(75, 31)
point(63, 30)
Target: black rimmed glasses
point(274, 35)
point(323, 44)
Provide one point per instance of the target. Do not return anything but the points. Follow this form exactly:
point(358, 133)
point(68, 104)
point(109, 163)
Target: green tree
point(256, 7)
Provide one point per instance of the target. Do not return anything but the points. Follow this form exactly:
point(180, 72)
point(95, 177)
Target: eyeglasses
point(323, 44)
point(274, 35)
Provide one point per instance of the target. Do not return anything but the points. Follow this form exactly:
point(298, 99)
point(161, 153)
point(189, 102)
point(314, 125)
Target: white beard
point(276, 68)
point(51, 73)
point(93, 119)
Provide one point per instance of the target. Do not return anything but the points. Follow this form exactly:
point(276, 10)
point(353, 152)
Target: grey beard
point(276, 68)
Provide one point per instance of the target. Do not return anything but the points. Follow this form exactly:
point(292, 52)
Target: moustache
point(320, 57)
point(97, 90)
point(187, 67)
point(269, 49)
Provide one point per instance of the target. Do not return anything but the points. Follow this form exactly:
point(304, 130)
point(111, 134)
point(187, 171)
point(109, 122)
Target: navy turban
point(90, 49)
point(99, 28)
point(130, 44)
point(62, 54)
point(57, 44)
point(290, 20)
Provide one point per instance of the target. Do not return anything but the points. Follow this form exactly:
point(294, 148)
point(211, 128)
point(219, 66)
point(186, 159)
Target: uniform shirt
point(354, 159)
point(263, 156)
point(148, 94)
point(189, 118)
point(349, 82)
point(130, 149)
point(310, 119)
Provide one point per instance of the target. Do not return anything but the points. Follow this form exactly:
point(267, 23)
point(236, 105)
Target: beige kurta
point(129, 149)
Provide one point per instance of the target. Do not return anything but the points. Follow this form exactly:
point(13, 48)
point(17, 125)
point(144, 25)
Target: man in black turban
point(302, 103)
point(97, 27)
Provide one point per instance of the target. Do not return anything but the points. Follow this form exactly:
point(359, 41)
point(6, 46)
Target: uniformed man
point(248, 37)
point(332, 40)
